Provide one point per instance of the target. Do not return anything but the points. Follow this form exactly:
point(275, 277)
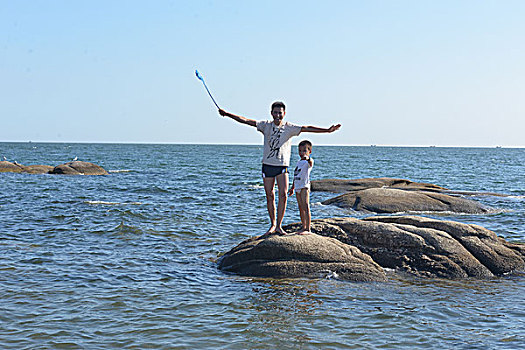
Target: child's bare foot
point(304, 232)
point(301, 230)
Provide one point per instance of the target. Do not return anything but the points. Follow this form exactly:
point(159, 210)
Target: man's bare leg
point(282, 186)
point(269, 184)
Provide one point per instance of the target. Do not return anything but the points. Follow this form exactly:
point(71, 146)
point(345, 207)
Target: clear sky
point(445, 73)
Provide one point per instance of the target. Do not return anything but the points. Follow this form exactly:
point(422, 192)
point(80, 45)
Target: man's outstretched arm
point(238, 118)
point(319, 130)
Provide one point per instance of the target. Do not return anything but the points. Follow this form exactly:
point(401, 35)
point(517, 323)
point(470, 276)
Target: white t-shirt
point(277, 141)
point(301, 174)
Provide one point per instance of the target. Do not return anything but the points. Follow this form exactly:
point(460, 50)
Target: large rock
point(356, 250)
point(79, 168)
point(71, 168)
point(8, 167)
point(38, 169)
point(390, 200)
point(426, 247)
point(300, 256)
point(340, 186)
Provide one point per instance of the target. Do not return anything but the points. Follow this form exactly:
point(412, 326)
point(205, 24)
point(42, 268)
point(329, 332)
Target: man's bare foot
point(280, 231)
point(270, 230)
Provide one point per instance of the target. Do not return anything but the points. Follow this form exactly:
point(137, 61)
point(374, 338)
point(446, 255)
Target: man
point(276, 157)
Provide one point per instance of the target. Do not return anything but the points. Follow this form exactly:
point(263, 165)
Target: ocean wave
point(111, 203)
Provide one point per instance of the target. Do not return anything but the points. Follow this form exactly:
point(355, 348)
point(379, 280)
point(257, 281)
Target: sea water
point(129, 260)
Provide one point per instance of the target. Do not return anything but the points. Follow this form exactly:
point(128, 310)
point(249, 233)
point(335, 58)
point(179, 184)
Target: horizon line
point(260, 144)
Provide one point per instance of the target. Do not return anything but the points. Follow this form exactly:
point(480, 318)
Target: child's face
point(278, 115)
point(304, 152)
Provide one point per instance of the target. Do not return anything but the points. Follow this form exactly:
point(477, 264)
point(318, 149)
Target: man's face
point(278, 115)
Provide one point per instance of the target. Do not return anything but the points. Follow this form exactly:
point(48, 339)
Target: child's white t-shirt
point(277, 141)
point(301, 174)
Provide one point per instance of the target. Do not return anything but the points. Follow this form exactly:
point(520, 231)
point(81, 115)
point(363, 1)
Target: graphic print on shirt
point(297, 174)
point(275, 142)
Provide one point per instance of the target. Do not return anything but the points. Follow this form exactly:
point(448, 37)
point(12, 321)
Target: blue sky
point(445, 73)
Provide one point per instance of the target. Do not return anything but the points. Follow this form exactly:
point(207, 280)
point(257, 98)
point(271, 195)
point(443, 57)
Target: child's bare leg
point(308, 214)
point(301, 211)
point(269, 184)
point(282, 186)
point(303, 198)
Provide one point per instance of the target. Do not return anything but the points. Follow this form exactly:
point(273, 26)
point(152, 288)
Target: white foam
point(120, 171)
point(332, 274)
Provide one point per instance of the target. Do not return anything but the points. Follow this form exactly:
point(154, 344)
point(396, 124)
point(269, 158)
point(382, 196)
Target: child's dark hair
point(306, 143)
point(278, 104)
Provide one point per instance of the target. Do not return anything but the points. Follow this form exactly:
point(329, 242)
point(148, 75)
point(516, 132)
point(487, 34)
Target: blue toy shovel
point(209, 93)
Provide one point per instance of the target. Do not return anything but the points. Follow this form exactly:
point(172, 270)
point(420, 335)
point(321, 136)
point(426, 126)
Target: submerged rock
point(356, 250)
point(390, 200)
point(300, 256)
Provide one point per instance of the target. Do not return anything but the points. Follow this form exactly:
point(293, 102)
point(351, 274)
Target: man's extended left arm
point(320, 130)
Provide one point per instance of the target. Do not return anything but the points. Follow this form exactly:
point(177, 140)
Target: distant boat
point(498, 146)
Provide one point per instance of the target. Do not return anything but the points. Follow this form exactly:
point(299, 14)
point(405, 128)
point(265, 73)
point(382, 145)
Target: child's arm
point(290, 192)
point(319, 130)
point(238, 118)
point(310, 162)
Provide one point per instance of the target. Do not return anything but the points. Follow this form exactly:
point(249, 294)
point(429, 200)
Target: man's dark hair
point(306, 143)
point(278, 104)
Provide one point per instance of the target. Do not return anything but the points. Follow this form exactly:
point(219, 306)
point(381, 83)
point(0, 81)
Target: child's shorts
point(273, 171)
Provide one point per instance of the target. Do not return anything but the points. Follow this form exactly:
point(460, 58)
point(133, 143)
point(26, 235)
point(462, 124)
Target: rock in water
point(390, 200)
point(295, 255)
point(340, 186)
point(38, 169)
point(8, 167)
point(426, 247)
point(79, 168)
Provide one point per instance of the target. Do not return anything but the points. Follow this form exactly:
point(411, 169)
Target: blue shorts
point(273, 171)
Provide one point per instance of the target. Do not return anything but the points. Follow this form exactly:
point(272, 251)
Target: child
point(301, 184)
point(276, 156)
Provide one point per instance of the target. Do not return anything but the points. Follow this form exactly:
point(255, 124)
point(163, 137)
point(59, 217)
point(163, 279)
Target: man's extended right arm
point(238, 118)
